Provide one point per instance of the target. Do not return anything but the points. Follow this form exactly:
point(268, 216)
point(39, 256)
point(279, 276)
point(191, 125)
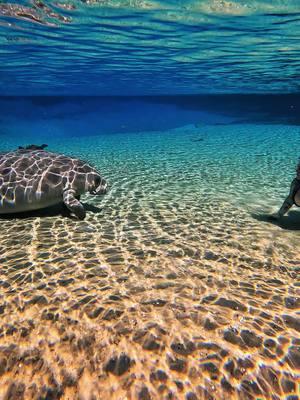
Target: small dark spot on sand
point(118, 365)
point(184, 349)
point(144, 394)
point(177, 364)
point(197, 139)
point(158, 375)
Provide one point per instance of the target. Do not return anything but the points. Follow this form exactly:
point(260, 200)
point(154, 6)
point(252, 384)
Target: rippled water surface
point(149, 46)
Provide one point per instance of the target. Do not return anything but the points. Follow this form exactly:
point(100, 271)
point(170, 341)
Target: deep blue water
point(73, 116)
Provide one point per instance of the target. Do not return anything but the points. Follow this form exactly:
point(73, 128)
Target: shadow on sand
point(289, 222)
point(54, 211)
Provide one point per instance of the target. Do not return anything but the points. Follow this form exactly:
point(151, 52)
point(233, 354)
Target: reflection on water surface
point(149, 47)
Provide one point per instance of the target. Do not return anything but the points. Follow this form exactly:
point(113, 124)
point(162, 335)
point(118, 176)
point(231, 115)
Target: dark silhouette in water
point(288, 222)
point(293, 197)
point(53, 211)
point(33, 147)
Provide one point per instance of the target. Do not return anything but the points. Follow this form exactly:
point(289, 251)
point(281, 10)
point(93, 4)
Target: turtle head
point(96, 184)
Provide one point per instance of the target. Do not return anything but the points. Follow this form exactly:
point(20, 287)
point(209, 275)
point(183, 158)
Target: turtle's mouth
point(101, 189)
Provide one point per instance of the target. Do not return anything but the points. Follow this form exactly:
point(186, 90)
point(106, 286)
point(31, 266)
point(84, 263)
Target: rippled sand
point(176, 286)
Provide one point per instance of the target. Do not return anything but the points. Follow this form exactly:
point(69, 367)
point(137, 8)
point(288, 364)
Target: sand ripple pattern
point(171, 288)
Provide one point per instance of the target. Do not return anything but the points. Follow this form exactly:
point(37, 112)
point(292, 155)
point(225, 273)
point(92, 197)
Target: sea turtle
point(32, 178)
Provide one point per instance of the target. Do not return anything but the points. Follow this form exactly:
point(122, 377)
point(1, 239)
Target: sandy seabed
point(175, 286)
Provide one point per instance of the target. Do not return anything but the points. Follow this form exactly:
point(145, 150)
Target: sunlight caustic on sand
point(173, 287)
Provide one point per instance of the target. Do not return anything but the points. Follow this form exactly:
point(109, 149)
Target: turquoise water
point(177, 285)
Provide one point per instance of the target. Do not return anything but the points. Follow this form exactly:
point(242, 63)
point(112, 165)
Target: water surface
point(143, 47)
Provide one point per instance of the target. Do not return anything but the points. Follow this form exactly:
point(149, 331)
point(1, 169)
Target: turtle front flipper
point(74, 205)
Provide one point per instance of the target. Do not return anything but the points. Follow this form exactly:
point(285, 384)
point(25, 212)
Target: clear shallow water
point(142, 47)
point(175, 285)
